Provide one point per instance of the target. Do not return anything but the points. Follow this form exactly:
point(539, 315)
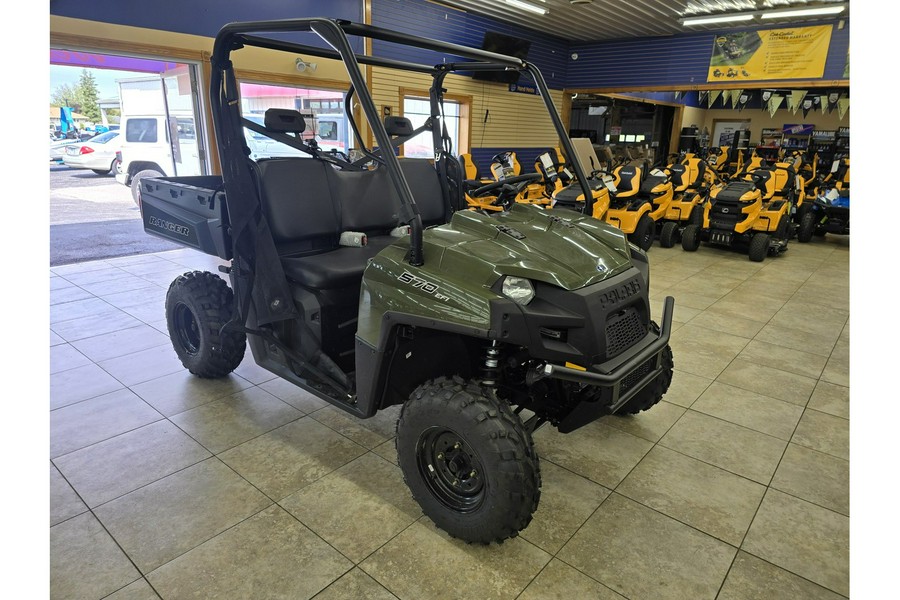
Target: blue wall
point(419, 17)
point(675, 60)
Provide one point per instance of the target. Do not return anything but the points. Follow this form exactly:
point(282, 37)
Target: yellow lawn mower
point(639, 197)
point(692, 178)
point(755, 214)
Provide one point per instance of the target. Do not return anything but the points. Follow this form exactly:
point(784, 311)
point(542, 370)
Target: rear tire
point(198, 304)
point(690, 238)
point(807, 227)
point(468, 460)
point(110, 171)
point(653, 393)
point(136, 183)
point(696, 216)
point(643, 232)
point(759, 246)
point(668, 234)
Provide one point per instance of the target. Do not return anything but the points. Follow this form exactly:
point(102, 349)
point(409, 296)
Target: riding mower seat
point(639, 200)
point(627, 180)
point(470, 170)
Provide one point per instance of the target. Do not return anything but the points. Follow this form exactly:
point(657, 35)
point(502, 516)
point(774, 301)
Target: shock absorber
point(491, 363)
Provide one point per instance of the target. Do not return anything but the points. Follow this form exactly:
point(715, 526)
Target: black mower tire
point(690, 238)
point(696, 216)
point(653, 393)
point(198, 304)
point(807, 227)
point(668, 234)
point(468, 460)
point(759, 247)
point(644, 232)
point(136, 183)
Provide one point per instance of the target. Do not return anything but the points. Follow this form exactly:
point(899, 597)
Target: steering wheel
point(508, 188)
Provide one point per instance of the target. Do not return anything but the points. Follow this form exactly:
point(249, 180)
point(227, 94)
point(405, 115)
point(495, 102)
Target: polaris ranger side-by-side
point(368, 282)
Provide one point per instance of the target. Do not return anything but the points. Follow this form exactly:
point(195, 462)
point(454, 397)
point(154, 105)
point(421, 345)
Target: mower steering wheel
point(509, 188)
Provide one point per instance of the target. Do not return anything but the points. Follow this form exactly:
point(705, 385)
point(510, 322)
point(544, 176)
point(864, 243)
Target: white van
point(153, 147)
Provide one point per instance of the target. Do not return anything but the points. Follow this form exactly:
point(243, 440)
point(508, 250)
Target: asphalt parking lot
point(94, 217)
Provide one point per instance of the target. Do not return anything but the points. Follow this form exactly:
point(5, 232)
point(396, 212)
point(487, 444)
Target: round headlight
point(518, 289)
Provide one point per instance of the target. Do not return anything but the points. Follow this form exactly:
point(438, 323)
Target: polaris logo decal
point(601, 268)
point(419, 283)
point(169, 226)
point(616, 295)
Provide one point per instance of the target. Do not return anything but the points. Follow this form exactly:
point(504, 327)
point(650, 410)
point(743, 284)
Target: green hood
point(561, 247)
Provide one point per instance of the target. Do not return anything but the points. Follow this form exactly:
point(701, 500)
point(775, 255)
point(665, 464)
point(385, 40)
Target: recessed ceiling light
point(803, 12)
point(539, 10)
point(717, 19)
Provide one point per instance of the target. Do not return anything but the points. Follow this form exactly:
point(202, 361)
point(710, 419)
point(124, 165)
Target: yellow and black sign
point(797, 53)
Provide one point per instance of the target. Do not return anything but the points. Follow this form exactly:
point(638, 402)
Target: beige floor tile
point(559, 581)
point(64, 502)
point(227, 422)
point(650, 424)
point(82, 267)
point(147, 311)
point(682, 313)
point(356, 585)
point(704, 352)
point(79, 425)
point(81, 383)
point(686, 388)
point(142, 366)
point(365, 432)
point(126, 283)
point(754, 411)
point(832, 399)
point(290, 457)
point(768, 381)
point(125, 300)
point(803, 538)
point(815, 477)
point(64, 357)
point(637, 552)
point(182, 390)
point(116, 466)
point(688, 299)
point(596, 451)
point(825, 433)
point(90, 326)
point(753, 579)
point(106, 273)
point(495, 571)
point(387, 451)
point(332, 506)
point(270, 555)
point(795, 339)
point(294, 395)
point(252, 372)
point(819, 320)
point(169, 517)
point(837, 369)
point(121, 342)
point(727, 322)
point(71, 293)
point(80, 309)
point(710, 499)
point(55, 340)
point(731, 447)
point(139, 590)
point(85, 562)
point(785, 359)
point(567, 500)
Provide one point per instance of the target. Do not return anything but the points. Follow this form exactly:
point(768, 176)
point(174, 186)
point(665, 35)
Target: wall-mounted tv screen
point(502, 44)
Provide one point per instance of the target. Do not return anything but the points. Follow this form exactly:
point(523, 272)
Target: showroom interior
point(736, 484)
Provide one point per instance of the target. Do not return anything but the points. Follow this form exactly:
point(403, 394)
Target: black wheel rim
point(450, 469)
point(186, 329)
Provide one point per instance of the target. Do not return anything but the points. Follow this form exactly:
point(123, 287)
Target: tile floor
point(735, 486)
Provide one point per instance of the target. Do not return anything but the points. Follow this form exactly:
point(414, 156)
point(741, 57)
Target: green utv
point(367, 282)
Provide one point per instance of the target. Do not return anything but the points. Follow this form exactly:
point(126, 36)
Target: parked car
point(97, 154)
point(57, 148)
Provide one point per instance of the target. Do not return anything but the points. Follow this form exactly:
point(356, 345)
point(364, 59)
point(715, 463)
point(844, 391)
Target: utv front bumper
point(620, 378)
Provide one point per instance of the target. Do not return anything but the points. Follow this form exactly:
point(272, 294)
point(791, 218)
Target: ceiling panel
point(614, 19)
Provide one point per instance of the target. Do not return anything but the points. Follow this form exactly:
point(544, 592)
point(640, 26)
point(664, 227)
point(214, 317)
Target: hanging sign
point(523, 89)
point(796, 53)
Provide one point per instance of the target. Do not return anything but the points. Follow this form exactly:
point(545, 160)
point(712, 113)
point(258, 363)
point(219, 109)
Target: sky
point(105, 78)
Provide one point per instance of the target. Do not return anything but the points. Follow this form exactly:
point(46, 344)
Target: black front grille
point(623, 330)
point(635, 376)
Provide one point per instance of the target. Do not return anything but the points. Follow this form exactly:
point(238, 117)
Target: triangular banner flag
point(774, 103)
point(713, 94)
point(765, 96)
point(677, 95)
point(735, 97)
point(842, 105)
point(823, 101)
point(796, 100)
point(701, 97)
point(833, 100)
point(807, 105)
point(743, 99)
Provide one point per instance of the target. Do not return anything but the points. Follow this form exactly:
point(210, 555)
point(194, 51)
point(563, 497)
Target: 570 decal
point(422, 284)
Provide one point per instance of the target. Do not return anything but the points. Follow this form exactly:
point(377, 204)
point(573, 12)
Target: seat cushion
point(342, 267)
